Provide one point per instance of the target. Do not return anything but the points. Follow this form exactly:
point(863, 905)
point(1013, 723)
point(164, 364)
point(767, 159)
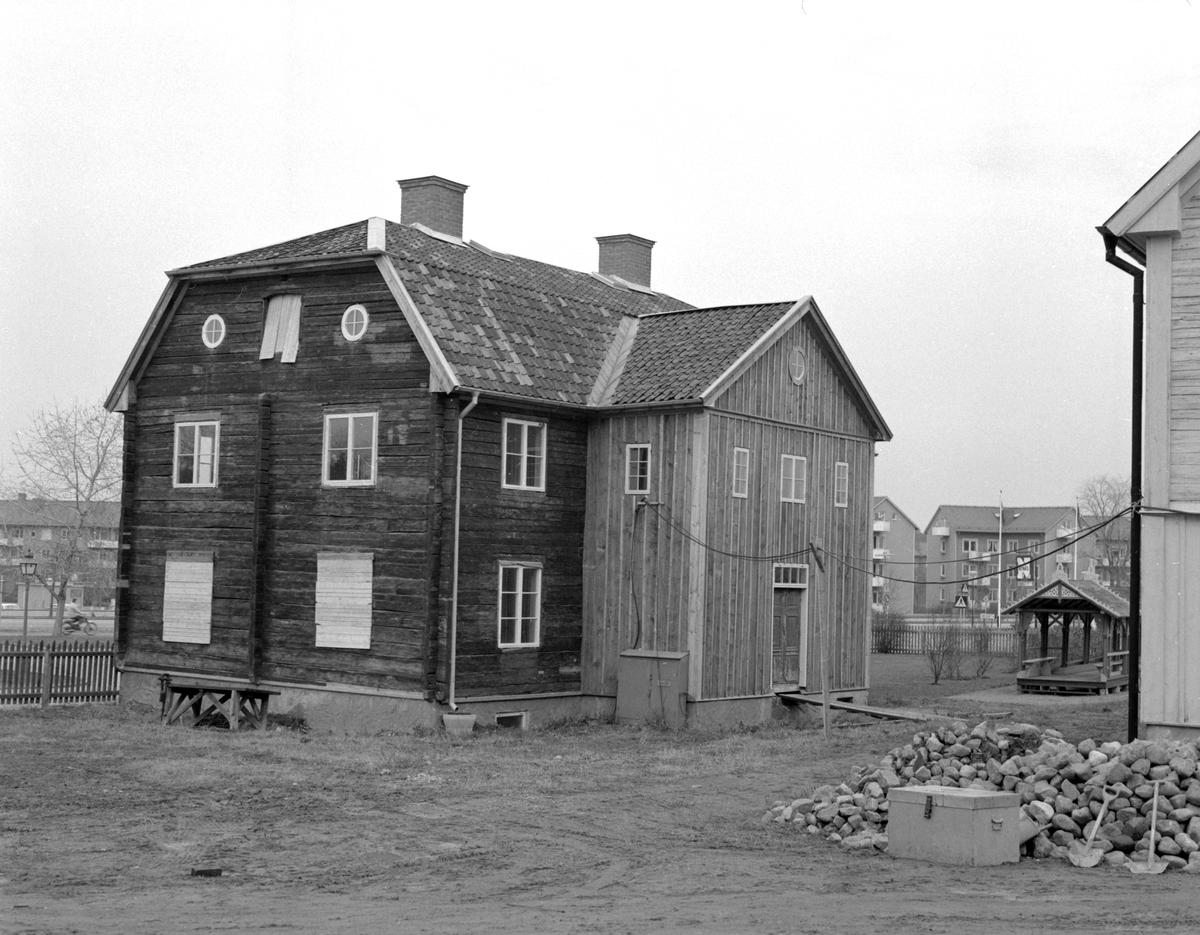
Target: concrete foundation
point(345, 710)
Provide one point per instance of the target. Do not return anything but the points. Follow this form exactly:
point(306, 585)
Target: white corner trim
point(769, 337)
point(438, 365)
point(376, 234)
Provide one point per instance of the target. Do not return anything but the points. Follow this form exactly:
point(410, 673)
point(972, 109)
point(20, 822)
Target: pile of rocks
point(1061, 788)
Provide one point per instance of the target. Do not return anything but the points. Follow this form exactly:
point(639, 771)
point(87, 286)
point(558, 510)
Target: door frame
point(789, 577)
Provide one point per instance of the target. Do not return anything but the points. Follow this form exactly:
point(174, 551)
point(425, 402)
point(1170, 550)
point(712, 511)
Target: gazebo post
point(1105, 644)
point(1086, 619)
point(1066, 636)
point(1044, 621)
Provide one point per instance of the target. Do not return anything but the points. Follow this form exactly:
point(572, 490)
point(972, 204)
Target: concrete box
point(652, 686)
point(969, 827)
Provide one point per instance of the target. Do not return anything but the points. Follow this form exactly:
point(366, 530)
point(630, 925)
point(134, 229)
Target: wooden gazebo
point(1096, 663)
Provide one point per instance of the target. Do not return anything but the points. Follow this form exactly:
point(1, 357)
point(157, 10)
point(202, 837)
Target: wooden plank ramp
point(891, 714)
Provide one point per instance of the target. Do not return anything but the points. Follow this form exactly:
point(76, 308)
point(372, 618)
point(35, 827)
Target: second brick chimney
point(627, 256)
point(433, 201)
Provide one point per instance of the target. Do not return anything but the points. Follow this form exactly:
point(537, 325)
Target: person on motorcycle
point(72, 612)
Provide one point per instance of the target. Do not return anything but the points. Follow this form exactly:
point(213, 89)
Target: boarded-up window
point(187, 597)
point(344, 599)
point(281, 329)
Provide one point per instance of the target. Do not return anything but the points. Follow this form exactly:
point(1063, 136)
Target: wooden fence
point(920, 638)
point(78, 672)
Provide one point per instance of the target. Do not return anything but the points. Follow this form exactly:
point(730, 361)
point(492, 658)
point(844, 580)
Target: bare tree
point(1101, 498)
point(67, 474)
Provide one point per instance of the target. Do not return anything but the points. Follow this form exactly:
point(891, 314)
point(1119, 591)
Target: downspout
point(1135, 481)
point(454, 564)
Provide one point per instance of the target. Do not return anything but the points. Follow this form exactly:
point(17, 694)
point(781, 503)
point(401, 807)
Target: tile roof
point(677, 355)
point(506, 324)
point(351, 238)
point(1017, 519)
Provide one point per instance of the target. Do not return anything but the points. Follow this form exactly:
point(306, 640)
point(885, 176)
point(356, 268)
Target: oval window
point(797, 366)
point(354, 322)
point(213, 332)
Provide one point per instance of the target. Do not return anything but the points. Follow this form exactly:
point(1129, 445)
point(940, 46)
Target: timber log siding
point(651, 587)
point(265, 561)
point(538, 527)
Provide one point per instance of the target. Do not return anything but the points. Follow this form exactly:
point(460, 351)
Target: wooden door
point(788, 643)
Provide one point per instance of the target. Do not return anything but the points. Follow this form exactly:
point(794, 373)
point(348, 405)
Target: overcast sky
point(931, 173)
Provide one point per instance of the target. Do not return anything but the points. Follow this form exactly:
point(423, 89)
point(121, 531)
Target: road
point(41, 626)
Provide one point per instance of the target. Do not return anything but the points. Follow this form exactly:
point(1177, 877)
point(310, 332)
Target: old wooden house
point(391, 473)
point(1158, 228)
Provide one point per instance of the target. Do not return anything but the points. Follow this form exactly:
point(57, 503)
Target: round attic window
point(797, 365)
point(354, 322)
point(213, 331)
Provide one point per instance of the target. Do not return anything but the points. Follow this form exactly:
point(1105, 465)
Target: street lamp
point(28, 569)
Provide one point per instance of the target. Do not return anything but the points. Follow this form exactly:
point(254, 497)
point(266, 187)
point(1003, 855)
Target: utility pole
point(816, 551)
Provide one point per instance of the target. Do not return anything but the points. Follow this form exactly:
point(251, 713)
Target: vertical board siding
point(79, 672)
point(636, 559)
point(343, 612)
point(824, 400)
point(187, 597)
point(269, 504)
point(1170, 640)
point(1185, 358)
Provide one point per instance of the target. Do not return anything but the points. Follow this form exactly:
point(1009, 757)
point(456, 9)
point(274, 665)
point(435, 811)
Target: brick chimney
point(433, 201)
point(627, 256)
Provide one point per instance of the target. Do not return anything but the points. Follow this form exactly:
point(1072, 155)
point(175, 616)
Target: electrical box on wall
point(652, 686)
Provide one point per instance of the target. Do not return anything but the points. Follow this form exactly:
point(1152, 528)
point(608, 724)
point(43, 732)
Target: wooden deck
point(1083, 679)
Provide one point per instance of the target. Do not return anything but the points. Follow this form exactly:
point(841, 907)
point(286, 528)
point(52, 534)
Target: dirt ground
point(589, 828)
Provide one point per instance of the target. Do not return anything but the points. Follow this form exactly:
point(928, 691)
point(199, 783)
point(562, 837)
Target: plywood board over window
point(187, 597)
point(344, 599)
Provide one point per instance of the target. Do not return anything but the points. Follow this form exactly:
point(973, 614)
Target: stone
point(1119, 772)
point(1044, 774)
point(1065, 824)
point(1168, 848)
point(1063, 805)
point(1069, 790)
point(968, 772)
point(1185, 767)
point(959, 750)
point(803, 806)
point(1193, 830)
point(1083, 817)
point(1110, 749)
point(1168, 790)
point(834, 838)
point(1175, 863)
point(873, 790)
point(1169, 828)
point(1097, 759)
point(1157, 754)
point(1114, 859)
point(933, 745)
point(1061, 838)
point(1193, 794)
point(1182, 815)
point(922, 775)
point(1086, 746)
point(826, 813)
point(1141, 766)
point(863, 840)
point(1186, 844)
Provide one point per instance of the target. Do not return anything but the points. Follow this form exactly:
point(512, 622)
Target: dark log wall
point(396, 519)
point(518, 525)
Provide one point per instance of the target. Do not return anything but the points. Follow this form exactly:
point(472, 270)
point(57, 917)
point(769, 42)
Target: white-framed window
point(524, 455)
point(344, 602)
point(519, 619)
point(793, 484)
point(637, 468)
point(281, 328)
point(354, 322)
point(841, 484)
point(943, 538)
point(791, 576)
point(741, 472)
point(213, 332)
point(970, 545)
point(197, 452)
point(943, 571)
point(991, 546)
point(349, 449)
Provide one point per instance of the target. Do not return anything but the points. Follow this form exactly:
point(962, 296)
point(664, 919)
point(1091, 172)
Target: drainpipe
point(1135, 479)
point(454, 572)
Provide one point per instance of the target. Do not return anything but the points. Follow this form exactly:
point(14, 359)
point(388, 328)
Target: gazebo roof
point(1061, 596)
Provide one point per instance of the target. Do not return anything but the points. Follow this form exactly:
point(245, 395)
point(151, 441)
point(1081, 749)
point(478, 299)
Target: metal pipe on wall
point(454, 571)
point(1135, 475)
